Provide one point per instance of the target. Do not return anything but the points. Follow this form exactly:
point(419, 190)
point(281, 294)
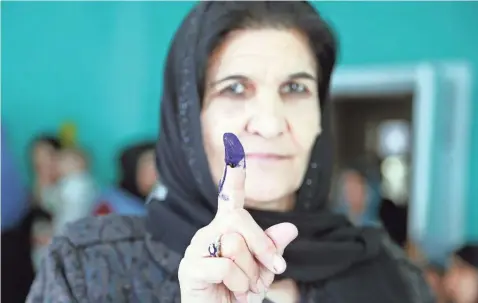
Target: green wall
point(100, 64)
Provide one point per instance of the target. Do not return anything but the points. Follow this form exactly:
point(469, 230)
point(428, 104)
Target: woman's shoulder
point(104, 229)
point(93, 255)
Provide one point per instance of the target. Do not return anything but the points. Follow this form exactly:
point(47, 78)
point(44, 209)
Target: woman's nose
point(268, 119)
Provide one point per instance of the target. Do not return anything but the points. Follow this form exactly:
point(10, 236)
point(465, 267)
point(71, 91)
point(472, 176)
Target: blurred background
point(80, 87)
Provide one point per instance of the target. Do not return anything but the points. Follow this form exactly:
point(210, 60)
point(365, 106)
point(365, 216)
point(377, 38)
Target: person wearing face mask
point(246, 155)
point(76, 188)
point(45, 150)
point(138, 178)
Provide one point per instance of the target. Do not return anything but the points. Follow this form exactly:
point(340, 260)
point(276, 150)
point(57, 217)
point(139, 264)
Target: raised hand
point(232, 259)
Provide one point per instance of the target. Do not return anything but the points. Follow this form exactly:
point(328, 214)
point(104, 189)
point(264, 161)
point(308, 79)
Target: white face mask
point(50, 198)
point(159, 192)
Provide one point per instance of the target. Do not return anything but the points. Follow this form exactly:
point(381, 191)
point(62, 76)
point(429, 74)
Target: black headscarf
point(469, 254)
point(328, 245)
point(129, 164)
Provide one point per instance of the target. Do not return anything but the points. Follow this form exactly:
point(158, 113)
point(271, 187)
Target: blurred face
point(70, 162)
point(262, 86)
point(44, 162)
point(146, 173)
point(461, 282)
point(354, 191)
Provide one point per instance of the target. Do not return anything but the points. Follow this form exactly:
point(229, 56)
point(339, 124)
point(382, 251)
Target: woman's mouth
point(266, 157)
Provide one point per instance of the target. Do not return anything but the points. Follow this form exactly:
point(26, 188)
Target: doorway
point(365, 125)
point(357, 119)
point(434, 91)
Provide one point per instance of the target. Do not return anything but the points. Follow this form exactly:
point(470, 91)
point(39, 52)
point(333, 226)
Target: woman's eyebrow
point(293, 76)
point(228, 78)
point(301, 75)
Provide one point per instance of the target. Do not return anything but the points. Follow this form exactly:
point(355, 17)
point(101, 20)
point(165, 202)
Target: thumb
point(282, 234)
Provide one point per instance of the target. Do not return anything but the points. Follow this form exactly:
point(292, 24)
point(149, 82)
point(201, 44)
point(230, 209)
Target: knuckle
point(266, 247)
point(232, 244)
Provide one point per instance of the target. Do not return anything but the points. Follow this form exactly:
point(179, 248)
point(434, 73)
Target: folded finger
point(234, 247)
point(259, 244)
point(198, 273)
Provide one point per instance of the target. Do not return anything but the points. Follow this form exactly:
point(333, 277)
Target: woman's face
point(355, 191)
point(44, 163)
point(262, 86)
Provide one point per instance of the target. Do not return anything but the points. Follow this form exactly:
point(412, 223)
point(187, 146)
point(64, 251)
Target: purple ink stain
point(234, 151)
point(235, 155)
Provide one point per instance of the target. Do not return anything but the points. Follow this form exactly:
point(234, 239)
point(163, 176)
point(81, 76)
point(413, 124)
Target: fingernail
point(234, 151)
point(279, 264)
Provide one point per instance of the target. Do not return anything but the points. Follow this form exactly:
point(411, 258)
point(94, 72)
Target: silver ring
point(214, 248)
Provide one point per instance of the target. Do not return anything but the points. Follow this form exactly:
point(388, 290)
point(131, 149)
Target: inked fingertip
point(234, 151)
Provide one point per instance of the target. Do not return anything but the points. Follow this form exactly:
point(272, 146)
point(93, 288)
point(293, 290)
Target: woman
point(45, 150)
point(138, 177)
point(359, 196)
point(260, 70)
point(359, 193)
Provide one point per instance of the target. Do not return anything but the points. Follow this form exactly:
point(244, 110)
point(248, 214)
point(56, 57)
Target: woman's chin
point(264, 192)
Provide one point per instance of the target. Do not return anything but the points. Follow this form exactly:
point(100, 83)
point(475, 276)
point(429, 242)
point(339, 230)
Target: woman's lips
point(266, 157)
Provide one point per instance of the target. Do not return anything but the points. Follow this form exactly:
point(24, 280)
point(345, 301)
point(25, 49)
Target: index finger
point(231, 187)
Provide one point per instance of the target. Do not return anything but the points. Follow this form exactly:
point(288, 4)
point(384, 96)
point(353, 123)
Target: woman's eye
point(235, 89)
point(294, 88)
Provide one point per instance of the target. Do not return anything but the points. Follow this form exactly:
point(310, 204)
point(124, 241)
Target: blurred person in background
point(138, 172)
point(44, 153)
point(359, 193)
point(76, 189)
point(461, 280)
point(16, 267)
point(261, 70)
point(359, 196)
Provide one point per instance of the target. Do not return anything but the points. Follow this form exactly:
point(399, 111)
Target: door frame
point(420, 78)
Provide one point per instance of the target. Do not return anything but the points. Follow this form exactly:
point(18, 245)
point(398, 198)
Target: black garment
point(111, 259)
point(350, 260)
point(17, 266)
point(129, 164)
point(469, 254)
point(395, 221)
